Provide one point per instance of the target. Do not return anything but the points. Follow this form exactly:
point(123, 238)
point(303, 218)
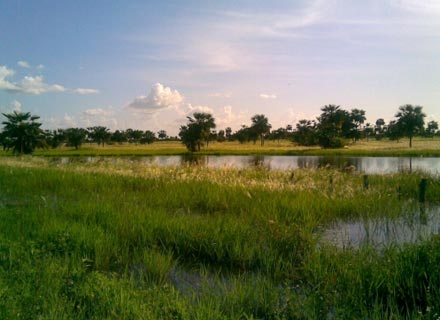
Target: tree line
point(22, 132)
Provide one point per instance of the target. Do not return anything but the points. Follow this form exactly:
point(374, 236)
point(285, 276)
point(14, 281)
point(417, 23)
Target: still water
point(368, 165)
point(414, 225)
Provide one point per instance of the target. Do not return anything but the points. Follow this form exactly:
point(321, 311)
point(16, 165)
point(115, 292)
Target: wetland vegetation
point(119, 240)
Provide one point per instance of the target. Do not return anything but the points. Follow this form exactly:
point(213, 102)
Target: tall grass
point(127, 241)
point(421, 147)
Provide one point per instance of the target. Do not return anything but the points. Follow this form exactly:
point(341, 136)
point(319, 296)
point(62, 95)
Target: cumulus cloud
point(159, 97)
point(4, 83)
point(69, 121)
point(99, 112)
point(205, 109)
point(84, 91)
point(40, 66)
point(29, 84)
point(228, 118)
point(36, 85)
point(267, 96)
point(100, 117)
point(15, 105)
point(23, 64)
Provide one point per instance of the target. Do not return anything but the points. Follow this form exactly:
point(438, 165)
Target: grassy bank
point(126, 241)
point(422, 147)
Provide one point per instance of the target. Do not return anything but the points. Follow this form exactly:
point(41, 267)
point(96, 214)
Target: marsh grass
point(123, 240)
point(421, 147)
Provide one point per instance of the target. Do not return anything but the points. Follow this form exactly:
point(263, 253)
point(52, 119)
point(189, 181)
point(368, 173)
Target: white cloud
point(100, 117)
point(40, 66)
point(220, 95)
point(23, 64)
point(69, 121)
point(84, 91)
point(159, 97)
point(205, 109)
point(228, 118)
point(99, 112)
point(15, 105)
point(36, 85)
point(29, 84)
point(419, 6)
point(5, 84)
point(267, 96)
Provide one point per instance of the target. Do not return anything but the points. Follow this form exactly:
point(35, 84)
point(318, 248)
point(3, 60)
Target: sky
point(149, 64)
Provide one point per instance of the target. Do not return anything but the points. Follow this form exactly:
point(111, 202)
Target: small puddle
point(418, 225)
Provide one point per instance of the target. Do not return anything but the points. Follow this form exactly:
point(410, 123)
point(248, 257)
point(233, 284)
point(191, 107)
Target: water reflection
point(368, 165)
point(384, 232)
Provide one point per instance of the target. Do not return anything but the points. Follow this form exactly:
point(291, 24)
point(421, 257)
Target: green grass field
point(421, 147)
point(127, 241)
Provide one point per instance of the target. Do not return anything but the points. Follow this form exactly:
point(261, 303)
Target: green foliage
point(99, 134)
point(197, 131)
point(75, 137)
point(22, 133)
point(410, 121)
point(192, 243)
point(148, 137)
point(260, 126)
point(305, 134)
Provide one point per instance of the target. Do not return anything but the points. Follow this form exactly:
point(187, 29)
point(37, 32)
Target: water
point(417, 224)
point(368, 165)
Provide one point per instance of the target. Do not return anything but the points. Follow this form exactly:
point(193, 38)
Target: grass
point(126, 241)
point(421, 147)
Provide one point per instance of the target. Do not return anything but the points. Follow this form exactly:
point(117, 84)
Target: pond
point(414, 225)
point(368, 165)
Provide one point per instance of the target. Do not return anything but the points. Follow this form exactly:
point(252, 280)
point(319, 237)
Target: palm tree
point(410, 120)
point(261, 126)
point(206, 122)
point(99, 134)
point(22, 132)
point(75, 137)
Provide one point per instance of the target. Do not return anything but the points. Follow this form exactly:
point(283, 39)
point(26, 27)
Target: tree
point(379, 125)
point(221, 136)
point(162, 135)
point(242, 135)
point(393, 131)
point(278, 134)
point(228, 133)
point(379, 128)
point(118, 136)
point(261, 126)
point(357, 117)
point(55, 138)
point(22, 133)
point(368, 131)
point(206, 122)
point(431, 128)
point(99, 134)
point(76, 137)
point(410, 121)
point(190, 136)
point(148, 137)
point(333, 124)
point(134, 135)
point(197, 131)
point(305, 133)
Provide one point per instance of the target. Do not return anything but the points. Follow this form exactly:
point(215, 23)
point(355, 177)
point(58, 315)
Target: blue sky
point(148, 64)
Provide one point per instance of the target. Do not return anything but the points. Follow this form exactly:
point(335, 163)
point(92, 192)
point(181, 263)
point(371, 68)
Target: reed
point(124, 240)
